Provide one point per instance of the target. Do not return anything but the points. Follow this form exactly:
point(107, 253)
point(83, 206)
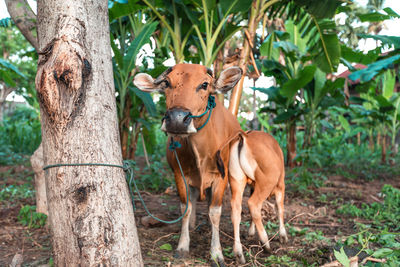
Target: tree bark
point(40, 183)
point(291, 145)
point(24, 18)
point(4, 92)
point(234, 101)
point(90, 212)
point(383, 156)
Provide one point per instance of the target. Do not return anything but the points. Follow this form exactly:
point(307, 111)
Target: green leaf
point(342, 257)
point(147, 100)
point(237, 6)
point(328, 88)
point(8, 66)
point(328, 49)
point(290, 88)
point(133, 50)
point(345, 124)
point(319, 8)
point(5, 77)
point(378, 17)
point(285, 116)
point(166, 246)
point(356, 56)
point(382, 252)
point(123, 8)
point(286, 46)
point(374, 68)
point(389, 80)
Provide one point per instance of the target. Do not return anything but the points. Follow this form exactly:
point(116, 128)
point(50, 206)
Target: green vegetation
point(380, 236)
point(382, 215)
point(29, 217)
point(332, 129)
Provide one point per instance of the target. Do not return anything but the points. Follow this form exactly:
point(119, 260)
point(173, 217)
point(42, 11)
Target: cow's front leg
point(215, 208)
point(184, 240)
point(194, 195)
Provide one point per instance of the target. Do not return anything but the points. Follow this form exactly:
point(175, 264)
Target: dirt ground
point(305, 213)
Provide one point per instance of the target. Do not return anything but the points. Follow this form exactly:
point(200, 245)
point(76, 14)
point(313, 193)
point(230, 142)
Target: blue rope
point(127, 167)
point(210, 105)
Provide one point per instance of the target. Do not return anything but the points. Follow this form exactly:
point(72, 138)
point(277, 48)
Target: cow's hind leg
point(237, 188)
point(252, 227)
point(279, 198)
point(255, 204)
point(215, 208)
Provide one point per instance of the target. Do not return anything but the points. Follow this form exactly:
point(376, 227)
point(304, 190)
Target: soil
point(305, 212)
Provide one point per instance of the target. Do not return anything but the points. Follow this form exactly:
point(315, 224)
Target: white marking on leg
point(282, 230)
point(247, 161)
point(236, 218)
point(235, 170)
point(216, 251)
point(184, 240)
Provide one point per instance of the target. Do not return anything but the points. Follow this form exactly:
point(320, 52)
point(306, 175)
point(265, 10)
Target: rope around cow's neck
point(210, 105)
point(127, 167)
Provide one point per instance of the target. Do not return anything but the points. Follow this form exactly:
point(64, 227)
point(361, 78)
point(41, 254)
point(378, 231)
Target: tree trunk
point(378, 140)
point(244, 58)
point(291, 145)
point(371, 140)
point(40, 184)
point(24, 18)
point(90, 212)
point(383, 157)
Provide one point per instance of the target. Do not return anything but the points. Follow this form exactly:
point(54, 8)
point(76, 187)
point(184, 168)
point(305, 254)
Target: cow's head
point(187, 88)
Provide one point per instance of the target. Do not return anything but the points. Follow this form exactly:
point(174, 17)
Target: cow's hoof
point(180, 254)
point(267, 247)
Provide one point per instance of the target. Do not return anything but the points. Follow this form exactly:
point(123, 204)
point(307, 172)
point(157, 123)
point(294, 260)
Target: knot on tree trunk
point(60, 80)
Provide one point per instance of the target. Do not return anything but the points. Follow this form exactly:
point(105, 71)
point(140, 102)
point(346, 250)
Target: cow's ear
point(228, 79)
point(145, 82)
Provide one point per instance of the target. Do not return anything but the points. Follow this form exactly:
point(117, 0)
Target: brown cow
point(205, 151)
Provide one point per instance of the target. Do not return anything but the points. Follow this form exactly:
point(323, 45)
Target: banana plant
point(129, 34)
point(176, 26)
point(381, 104)
point(212, 27)
point(302, 88)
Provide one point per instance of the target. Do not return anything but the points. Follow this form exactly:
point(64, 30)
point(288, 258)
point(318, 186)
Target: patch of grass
point(379, 244)
point(16, 192)
point(302, 179)
point(275, 260)
point(29, 217)
point(383, 215)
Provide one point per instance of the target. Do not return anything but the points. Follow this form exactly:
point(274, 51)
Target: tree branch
point(24, 18)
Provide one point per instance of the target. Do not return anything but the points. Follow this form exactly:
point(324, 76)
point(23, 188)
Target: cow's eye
point(204, 86)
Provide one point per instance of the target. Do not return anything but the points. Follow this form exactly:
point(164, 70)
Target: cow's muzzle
point(178, 121)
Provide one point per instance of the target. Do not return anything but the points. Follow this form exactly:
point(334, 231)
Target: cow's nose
point(177, 120)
